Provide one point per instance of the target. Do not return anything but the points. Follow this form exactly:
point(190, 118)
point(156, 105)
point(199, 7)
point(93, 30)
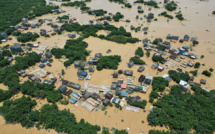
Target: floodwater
point(199, 22)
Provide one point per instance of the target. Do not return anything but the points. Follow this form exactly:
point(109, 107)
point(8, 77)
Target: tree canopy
point(159, 84)
point(182, 111)
point(108, 62)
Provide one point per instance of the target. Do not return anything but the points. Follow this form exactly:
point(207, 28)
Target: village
point(126, 88)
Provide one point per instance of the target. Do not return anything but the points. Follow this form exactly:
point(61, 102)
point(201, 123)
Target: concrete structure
point(184, 85)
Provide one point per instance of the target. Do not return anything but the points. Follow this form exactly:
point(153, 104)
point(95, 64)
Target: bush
point(151, 100)
point(16, 33)
point(213, 12)
point(139, 52)
point(108, 62)
point(148, 53)
point(194, 72)
point(177, 76)
point(137, 61)
point(206, 73)
point(171, 6)
point(159, 84)
point(197, 65)
point(140, 104)
point(211, 69)
point(64, 102)
point(120, 72)
point(27, 37)
point(166, 15)
point(157, 58)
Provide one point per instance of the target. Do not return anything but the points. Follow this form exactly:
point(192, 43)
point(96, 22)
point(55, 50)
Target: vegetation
point(140, 104)
point(118, 16)
point(159, 84)
point(139, 52)
point(108, 62)
point(49, 117)
point(151, 3)
point(99, 12)
point(63, 17)
point(194, 72)
point(148, 53)
point(211, 69)
point(213, 12)
point(137, 61)
point(64, 102)
point(182, 112)
point(171, 6)
point(140, 11)
point(13, 11)
point(157, 58)
point(197, 65)
point(161, 132)
point(16, 33)
point(206, 73)
point(177, 76)
point(118, 35)
point(41, 91)
point(27, 37)
point(118, 106)
point(162, 48)
point(128, 5)
point(139, 1)
point(120, 72)
point(166, 15)
point(153, 95)
point(179, 16)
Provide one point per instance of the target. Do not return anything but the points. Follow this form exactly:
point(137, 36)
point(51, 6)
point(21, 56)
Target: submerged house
point(184, 85)
point(16, 47)
point(128, 72)
point(62, 88)
point(130, 64)
point(186, 37)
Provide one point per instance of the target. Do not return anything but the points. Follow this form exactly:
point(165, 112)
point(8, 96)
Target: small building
point(184, 85)
point(62, 88)
point(181, 40)
point(10, 59)
point(141, 78)
point(130, 64)
point(124, 94)
point(4, 35)
point(83, 73)
point(98, 55)
point(87, 95)
point(115, 74)
point(123, 86)
point(113, 86)
point(91, 68)
point(141, 69)
point(41, 65)
point(43, 60)
point(194, 84)
point(167, 77)
point(186, 37)
point(203, 81)
point(93, 61)
point(132, 27)
point(115, 100)
point(72, 36)
point(95, 96)
point(118, 91)
point(106, 102)
point(137, 16)
point(128, 72)
point(160, 68)
point(78, 64)
point(16, 47)
point(139, 7)
point(109, 95)
point(48, 55)
point(155, 66)
point(128, 21)
point(73, 100)
point(148, 79)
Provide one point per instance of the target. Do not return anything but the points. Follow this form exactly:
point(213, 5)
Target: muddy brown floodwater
point(199, 22)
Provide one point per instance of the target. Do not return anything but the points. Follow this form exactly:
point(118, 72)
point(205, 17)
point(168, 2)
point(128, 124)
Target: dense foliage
point(117, 16)
point(166, 15)
point(213, 12)
point(41, 91)
point(157, 58)
point(137, 61)
point(177, 76)
point(197, 65)
point(10, 78)
point(182, 112)
point(27, 37)
point(139, 52)
point(171, 6)
point(49, 117)
point(12, 11)
point(108, 62)
point(195, 72)
point(179, 16)
point(118, 35)
point(140, 104)
point(151, 3)
point(159, 84)
point(99, 12)
point(153, 95)
point(206, 73)
point(163, 132)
